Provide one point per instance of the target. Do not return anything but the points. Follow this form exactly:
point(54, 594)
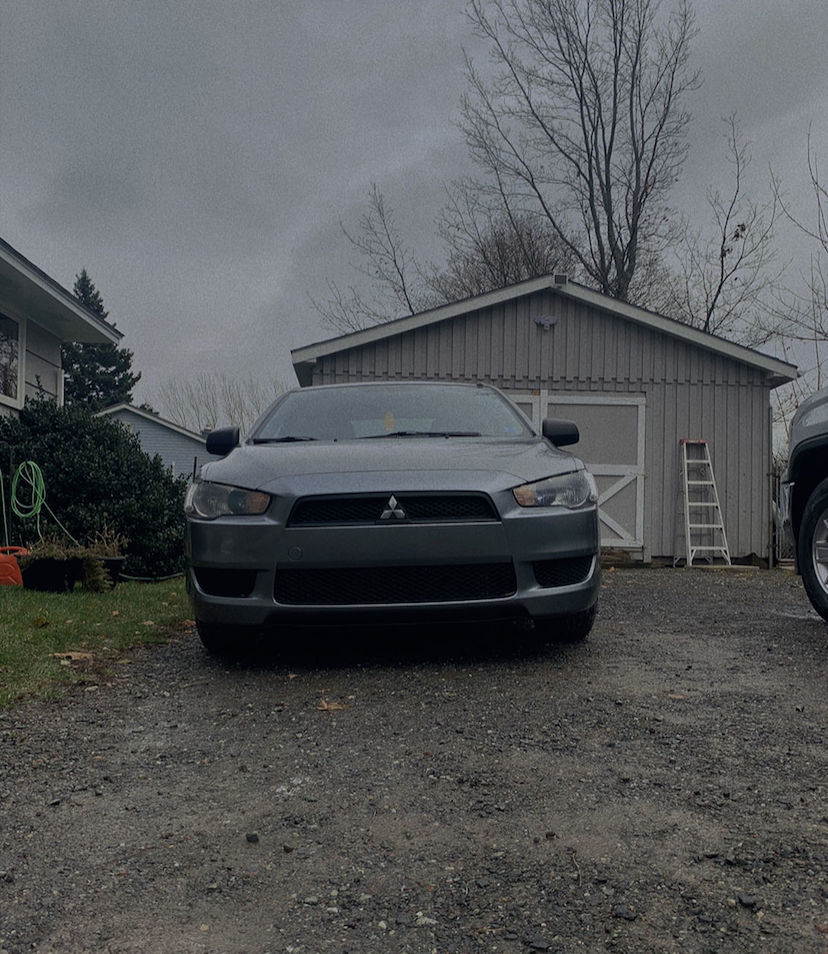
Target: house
point(635, 382)
point(36, 316)
point(181, 450)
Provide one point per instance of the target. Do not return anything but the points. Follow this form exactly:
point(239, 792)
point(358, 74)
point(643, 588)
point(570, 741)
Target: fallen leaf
point(116, 612)
point(40, 621)
point(325, 706)
point(73, 655)
point(148, 622)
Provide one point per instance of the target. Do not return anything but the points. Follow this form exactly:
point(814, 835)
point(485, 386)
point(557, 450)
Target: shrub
point(98, 480)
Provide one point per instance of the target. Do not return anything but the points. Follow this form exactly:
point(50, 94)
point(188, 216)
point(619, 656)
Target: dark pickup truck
point(804, 500)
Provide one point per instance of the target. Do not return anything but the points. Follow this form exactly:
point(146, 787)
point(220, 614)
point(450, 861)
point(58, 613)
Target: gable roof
point(779, 372)
point(141, 414)
point(33, 294)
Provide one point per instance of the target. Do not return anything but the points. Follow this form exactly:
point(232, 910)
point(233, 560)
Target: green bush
point(97, 479)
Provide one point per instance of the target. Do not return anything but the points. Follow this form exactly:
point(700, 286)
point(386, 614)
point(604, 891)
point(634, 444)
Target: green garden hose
point(30, 476)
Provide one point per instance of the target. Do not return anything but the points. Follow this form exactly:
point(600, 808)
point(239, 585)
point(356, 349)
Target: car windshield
point(394, 410)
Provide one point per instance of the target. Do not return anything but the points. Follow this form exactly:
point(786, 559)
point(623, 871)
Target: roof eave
point(778, 372)
point(28, 292)
point(151, 417)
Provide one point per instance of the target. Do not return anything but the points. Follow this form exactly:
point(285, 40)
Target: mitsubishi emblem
point(393, 509)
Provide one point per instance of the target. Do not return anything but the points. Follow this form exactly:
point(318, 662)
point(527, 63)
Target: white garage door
point(612, 446)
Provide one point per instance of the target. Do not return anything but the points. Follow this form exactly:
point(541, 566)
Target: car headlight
point(208, 501)
point(569, 490)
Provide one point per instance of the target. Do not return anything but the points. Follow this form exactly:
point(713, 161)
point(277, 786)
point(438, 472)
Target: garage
point(635, 382)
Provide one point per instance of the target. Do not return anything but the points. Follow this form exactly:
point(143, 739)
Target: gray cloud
point(197, 157)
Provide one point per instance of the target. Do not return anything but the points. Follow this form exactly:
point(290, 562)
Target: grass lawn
point(48, 640)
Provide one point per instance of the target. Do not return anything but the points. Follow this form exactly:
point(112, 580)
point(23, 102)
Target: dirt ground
point(663, 787)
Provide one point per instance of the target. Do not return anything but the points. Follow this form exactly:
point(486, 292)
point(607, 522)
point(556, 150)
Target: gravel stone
point(660, 787)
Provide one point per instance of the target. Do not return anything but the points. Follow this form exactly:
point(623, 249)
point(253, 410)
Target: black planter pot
point(114, 567)
point(51, 575)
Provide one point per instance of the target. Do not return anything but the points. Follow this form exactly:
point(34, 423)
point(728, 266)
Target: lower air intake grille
point(390, 585)
point(562, 572)
point(227, 583)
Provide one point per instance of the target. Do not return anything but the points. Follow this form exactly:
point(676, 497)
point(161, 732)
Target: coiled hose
point(28, 477)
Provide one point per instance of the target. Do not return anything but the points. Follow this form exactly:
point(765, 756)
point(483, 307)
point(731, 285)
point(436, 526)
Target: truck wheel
point(812, 549)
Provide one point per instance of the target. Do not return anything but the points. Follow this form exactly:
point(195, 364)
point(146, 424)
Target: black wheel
point(565, 629)
point(226, 641)
point(812, 549)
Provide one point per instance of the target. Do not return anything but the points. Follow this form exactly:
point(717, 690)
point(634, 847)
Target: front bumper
point(238, 568)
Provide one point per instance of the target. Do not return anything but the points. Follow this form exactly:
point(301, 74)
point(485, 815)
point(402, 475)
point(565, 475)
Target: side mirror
point(560, 432)
point(222, 441)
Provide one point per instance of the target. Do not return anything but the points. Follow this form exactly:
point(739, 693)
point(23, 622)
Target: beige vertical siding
point(689, 391)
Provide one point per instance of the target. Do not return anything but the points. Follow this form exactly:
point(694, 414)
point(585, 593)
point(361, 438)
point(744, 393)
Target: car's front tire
point(812, 549)
point(227, 642)
point(573, 628)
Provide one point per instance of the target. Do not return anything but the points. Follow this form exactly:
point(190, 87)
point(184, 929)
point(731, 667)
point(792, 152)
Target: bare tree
point(804, 309)
point(727, 279)
point(395, 285)
point(208, 400)
point(583, 122)
point(490, 246)
point(485, 246)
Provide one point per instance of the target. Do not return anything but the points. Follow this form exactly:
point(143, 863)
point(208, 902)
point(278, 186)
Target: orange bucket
point(9, 570)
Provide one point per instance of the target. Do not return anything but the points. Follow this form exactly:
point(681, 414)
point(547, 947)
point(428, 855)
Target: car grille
point(562, 572)
point(418, 508)
point(374, 585)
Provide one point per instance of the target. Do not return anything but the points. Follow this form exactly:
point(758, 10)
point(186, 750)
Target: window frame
point(19, 401)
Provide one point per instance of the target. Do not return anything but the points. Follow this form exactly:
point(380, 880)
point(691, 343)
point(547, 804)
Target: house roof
point(141, 414)
point(779, 372)
point(31, 293)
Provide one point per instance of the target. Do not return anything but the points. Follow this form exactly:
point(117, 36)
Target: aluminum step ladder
point(704, 532)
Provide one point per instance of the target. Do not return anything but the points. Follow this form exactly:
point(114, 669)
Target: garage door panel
point(617, 510)
point(608, 432)
point(612, 446)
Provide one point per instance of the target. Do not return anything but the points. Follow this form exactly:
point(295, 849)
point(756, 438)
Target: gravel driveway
point(663, 787)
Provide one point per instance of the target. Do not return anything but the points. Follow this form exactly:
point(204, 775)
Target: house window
point(9, 358)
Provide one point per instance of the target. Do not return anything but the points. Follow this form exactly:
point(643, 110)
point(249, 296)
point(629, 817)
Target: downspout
point(771, 553)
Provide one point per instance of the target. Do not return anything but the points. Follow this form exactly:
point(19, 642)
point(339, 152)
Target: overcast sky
point(197, 156)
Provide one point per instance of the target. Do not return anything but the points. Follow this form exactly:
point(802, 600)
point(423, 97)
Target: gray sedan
point(392, 502)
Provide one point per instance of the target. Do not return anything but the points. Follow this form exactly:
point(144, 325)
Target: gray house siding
point(550, 343)
point(178, 450)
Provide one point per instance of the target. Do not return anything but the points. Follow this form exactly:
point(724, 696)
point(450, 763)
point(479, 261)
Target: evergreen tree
point(97, 375)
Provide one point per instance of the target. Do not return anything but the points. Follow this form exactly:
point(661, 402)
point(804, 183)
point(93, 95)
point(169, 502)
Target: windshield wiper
point(281, 440)
point(423, 434)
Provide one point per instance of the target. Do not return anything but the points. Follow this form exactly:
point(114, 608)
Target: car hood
point(396, 464)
